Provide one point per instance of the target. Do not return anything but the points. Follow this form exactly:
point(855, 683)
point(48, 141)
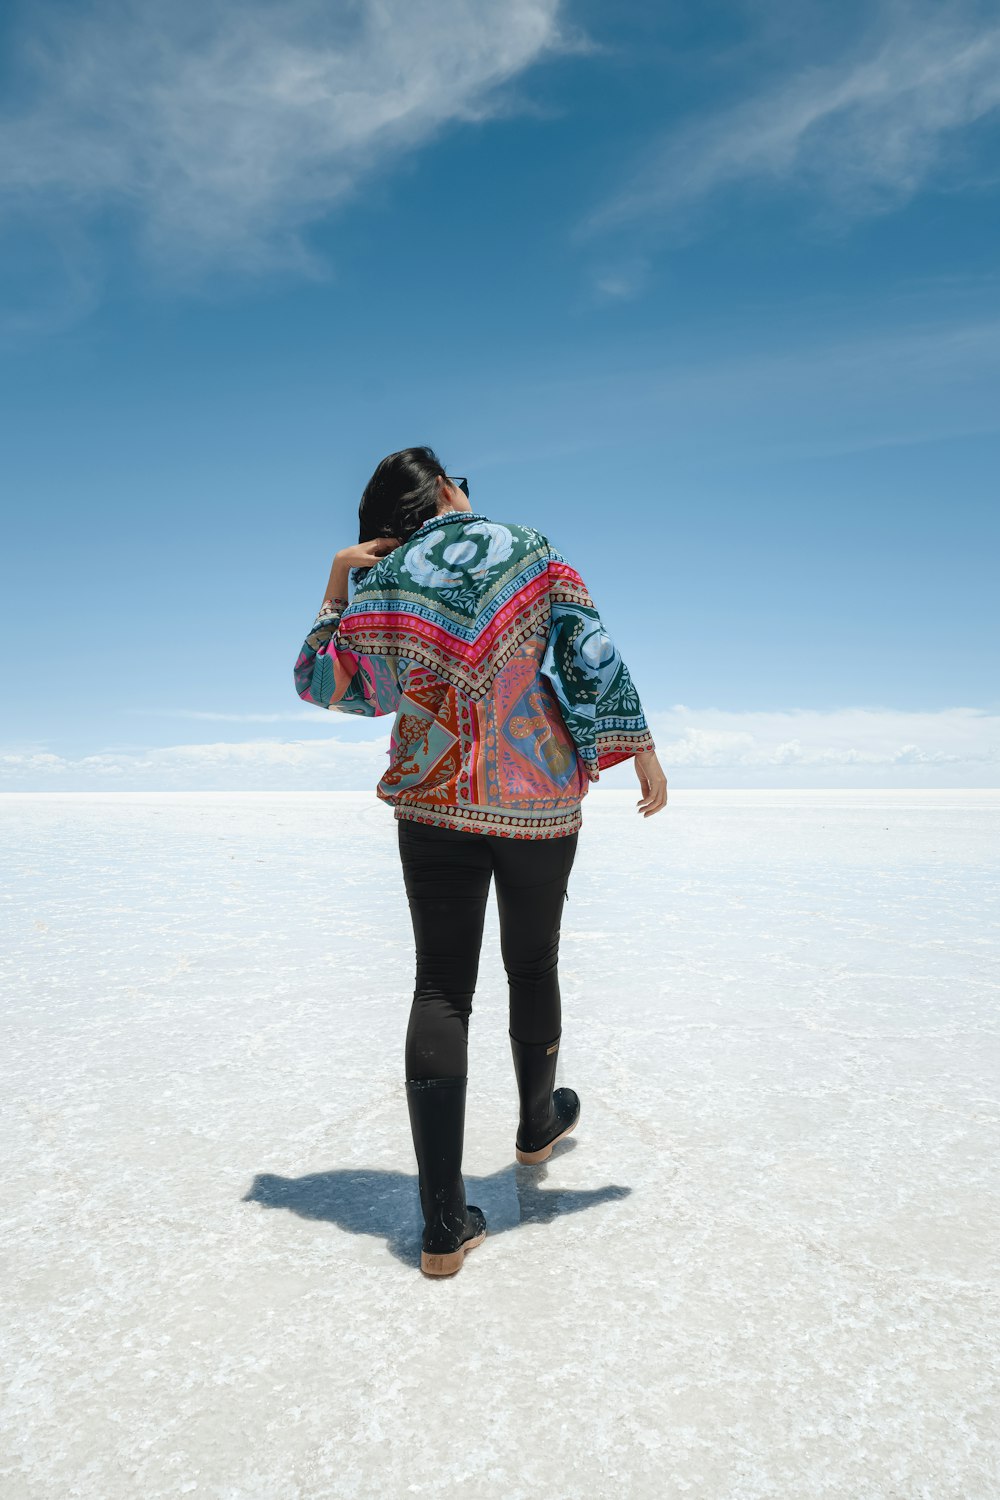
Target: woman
point(509, 698)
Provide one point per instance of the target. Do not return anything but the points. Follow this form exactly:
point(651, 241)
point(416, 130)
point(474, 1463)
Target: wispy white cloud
point(225, 716)
point(226, 127)
point(858, 391)
point(621, 280)
point(851, 747)
point(866, 130)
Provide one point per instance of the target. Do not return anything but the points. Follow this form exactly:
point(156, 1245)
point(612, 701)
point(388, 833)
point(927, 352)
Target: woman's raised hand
point(366, 554)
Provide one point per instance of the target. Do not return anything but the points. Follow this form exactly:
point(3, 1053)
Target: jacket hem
point(502, 821)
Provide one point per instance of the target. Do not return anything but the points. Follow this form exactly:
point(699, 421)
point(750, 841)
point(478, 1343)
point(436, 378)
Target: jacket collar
point(444, 518)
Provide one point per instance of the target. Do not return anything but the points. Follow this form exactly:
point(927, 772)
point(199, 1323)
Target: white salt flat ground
point(764, 1265)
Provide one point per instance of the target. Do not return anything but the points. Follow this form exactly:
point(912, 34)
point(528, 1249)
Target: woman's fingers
point(654, 789)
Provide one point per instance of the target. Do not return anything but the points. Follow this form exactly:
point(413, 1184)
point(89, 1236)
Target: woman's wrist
point(339, 577)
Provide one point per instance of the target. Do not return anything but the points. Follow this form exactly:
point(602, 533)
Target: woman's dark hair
point(400, 496)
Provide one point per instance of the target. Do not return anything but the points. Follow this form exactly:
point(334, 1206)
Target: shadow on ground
point(387, 1204)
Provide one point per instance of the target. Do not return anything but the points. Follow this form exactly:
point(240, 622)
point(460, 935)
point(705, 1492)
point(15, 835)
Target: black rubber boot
point(546, 1116)
point(437, 1122)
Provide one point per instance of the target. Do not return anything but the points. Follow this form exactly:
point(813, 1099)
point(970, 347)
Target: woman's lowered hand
point(653, 780)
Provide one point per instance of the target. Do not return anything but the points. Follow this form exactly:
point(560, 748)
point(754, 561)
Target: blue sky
point(708, 293)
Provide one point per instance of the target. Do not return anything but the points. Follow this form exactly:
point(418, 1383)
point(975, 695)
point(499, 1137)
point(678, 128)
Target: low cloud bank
point(851, 747)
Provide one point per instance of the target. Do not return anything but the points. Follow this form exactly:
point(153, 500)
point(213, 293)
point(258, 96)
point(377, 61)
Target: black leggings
point(447, 873)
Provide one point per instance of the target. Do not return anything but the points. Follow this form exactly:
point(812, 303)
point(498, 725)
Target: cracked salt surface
point(764, 1264)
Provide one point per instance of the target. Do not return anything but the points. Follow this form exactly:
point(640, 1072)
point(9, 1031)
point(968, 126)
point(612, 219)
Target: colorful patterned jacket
point(510, 697)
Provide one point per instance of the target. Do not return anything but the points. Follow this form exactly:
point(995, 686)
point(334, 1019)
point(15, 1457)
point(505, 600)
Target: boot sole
point(448, 1264)
point(532, 1158)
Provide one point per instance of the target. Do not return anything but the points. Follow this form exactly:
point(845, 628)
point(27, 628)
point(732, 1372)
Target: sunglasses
point(463, 484)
